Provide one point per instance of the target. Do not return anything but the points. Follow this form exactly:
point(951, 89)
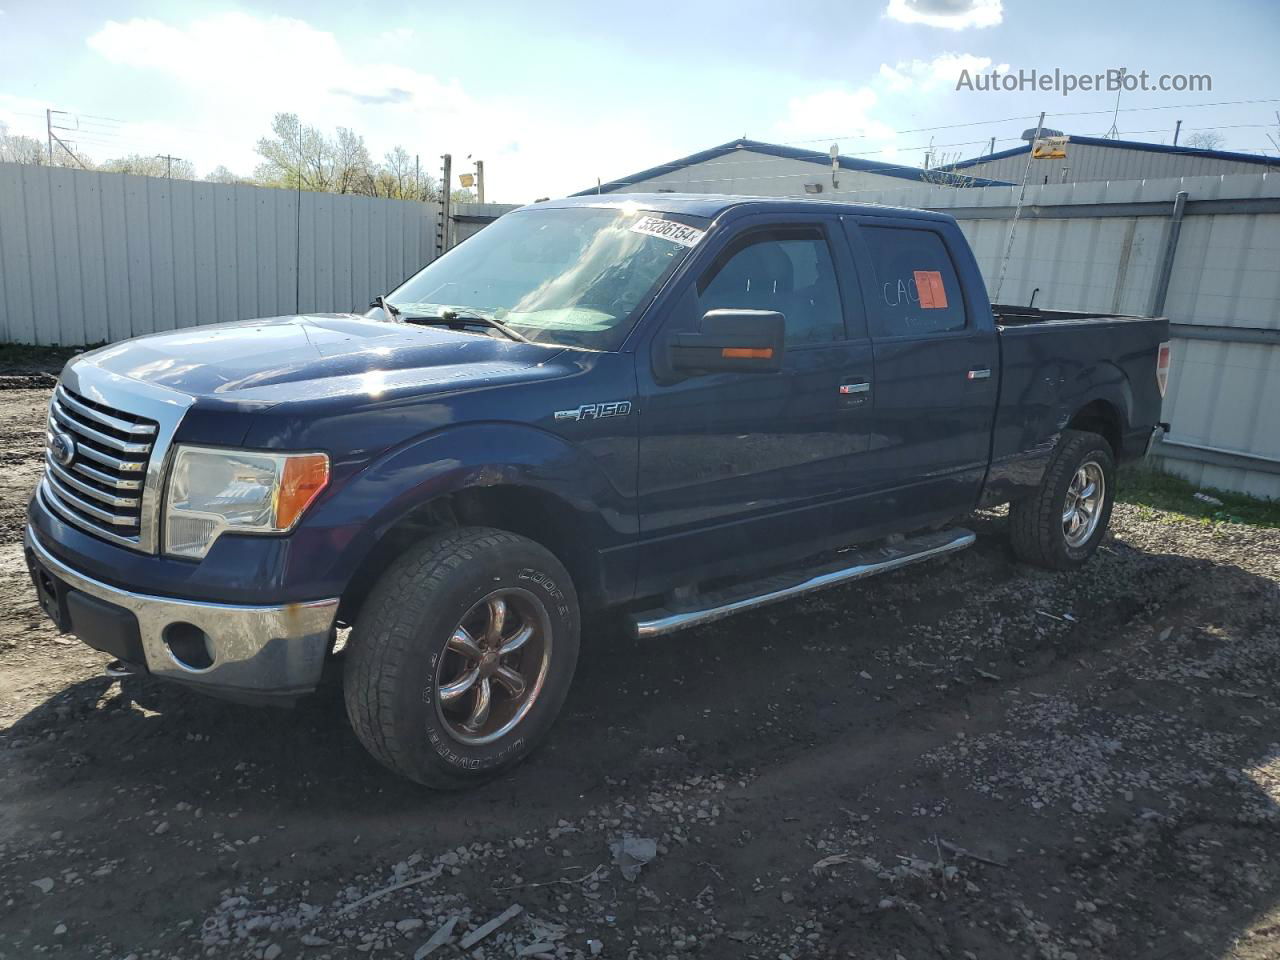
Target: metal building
point(1092, 159)
point(755, 168)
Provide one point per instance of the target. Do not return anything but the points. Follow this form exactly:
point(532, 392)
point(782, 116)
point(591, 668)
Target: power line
point(1079, 113)
point(754, 162)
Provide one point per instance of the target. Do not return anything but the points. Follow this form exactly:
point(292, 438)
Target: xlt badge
point(596, 411)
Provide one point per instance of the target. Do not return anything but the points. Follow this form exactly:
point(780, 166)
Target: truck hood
point(306, 357)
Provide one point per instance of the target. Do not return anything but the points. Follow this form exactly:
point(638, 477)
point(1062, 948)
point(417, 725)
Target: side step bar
point(854, 565)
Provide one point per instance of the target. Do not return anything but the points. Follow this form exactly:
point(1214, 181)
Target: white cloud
point(863, 119)
point(947, 14)
point(839, 112)
point(940, 73)
point(235, 70)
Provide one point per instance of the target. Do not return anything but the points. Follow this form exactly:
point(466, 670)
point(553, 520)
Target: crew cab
point(680, 407)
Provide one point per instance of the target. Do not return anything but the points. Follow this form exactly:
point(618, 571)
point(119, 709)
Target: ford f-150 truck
point(680, 407)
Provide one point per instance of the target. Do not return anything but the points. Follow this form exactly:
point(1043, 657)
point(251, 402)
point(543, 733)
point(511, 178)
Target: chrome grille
point(100, 486)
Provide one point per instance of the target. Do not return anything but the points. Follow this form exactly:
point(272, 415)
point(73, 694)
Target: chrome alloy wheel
point(494, 666)
point(1083, 507)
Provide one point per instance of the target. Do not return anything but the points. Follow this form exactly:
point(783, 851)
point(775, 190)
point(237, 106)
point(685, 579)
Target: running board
point(855, 564)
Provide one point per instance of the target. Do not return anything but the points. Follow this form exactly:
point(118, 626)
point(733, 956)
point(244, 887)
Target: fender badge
point(596, 411)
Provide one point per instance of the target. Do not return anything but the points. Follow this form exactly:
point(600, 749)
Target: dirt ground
point(971, 759)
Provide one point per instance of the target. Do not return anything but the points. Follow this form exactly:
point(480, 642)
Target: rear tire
point(1061, 525)
point(462, 656)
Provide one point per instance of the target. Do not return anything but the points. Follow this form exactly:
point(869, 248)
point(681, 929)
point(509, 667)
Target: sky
point(555, 94)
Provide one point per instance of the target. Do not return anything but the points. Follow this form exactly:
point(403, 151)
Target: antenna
point(1114, 132)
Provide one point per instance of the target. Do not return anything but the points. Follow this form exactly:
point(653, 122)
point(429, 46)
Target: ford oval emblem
point(62, 448)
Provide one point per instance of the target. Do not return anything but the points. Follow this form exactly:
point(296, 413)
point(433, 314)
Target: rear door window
point(917, 290)
point(786, 269)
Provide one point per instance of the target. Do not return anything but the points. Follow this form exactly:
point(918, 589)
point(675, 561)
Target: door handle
point(848, 389)
point(983, 373)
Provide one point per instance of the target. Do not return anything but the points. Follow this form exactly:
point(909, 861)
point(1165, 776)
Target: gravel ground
point(970, 759)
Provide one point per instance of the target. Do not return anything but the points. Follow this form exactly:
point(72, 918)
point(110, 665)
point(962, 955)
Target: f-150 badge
point(596, 411)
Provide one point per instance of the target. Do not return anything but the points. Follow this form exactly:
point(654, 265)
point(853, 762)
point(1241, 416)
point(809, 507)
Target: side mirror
point(745, 341)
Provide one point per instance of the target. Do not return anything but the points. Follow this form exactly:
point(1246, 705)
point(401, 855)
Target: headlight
point(237, 490)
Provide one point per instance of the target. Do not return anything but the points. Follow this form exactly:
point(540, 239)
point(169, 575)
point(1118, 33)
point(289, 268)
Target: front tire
point(1061, 525)
point(462, 656)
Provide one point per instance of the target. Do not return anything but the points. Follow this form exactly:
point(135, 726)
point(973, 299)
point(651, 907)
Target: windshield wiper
point(452, 318)
point(387, 307)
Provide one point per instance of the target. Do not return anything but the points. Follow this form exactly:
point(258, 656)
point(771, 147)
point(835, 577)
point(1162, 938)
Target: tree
point(399, 177)
point(301, 157)
point(146, 166)
point(351, 162)
point(221, 174)
point(297, 156)
point(15, 148)
point(1206, 140)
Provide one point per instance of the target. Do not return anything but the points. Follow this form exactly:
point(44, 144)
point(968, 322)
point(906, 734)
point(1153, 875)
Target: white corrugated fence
point(1099, 246)
point(88, 257)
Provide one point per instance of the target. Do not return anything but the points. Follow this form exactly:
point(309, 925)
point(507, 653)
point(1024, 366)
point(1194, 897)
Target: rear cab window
point(917, 292)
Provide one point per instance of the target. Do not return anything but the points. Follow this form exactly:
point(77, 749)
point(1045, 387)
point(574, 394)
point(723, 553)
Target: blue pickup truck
point(679, 407)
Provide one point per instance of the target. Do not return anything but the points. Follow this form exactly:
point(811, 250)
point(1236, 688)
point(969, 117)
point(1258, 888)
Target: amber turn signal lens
point(747, 353)
point(305, 475)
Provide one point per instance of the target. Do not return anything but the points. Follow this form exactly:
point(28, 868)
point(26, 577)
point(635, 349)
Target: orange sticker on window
point(929, 285)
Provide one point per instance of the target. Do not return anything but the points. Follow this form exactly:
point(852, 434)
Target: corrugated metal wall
point(470, 218)
point(87, 257)
point(1088, 162)
point(759, 175)
point(1224, 396)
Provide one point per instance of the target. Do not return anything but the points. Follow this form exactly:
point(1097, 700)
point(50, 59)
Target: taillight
point(1162, 368)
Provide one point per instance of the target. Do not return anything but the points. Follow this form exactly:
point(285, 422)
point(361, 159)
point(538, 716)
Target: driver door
point(740, 470)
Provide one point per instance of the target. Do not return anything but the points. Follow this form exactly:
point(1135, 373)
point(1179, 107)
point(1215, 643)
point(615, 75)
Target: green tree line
point(294, 156)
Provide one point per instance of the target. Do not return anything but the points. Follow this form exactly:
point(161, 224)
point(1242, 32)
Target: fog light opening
point(189, 646)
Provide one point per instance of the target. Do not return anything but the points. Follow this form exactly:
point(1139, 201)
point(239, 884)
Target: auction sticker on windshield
point(679, 233)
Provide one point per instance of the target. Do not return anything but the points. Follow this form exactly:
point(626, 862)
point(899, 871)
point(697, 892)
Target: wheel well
point(542, 517)
point(1102, 418)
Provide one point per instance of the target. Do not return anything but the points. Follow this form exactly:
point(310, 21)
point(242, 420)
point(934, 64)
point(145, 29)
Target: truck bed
point(1056, 363)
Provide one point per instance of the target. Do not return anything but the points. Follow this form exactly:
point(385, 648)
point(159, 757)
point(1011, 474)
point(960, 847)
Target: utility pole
point(446, 179)
point(417, 192)
point(50, 126)
point(480, 181)
point(1176, 130)
point(168, 169)
point(991, 149)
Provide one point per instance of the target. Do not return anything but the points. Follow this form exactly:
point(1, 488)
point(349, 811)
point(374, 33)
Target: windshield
point(575, 276)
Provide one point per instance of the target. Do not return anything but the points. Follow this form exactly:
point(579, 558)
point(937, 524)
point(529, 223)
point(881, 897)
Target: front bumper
point(227, 649)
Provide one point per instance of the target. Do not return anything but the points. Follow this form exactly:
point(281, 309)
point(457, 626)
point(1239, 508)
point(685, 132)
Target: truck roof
point(713, 205)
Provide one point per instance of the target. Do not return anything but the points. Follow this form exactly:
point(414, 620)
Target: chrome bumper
point(254, 650)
